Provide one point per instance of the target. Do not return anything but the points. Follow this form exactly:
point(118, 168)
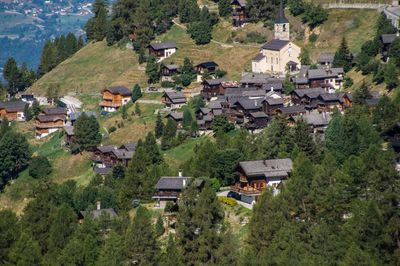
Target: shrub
point(313, 37)
point(255, 37)
point(167, 84)
point(112, 129)
point(39, 167)
point(228, 201)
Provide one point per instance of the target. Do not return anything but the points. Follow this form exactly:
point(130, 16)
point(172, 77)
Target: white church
point(279, 55)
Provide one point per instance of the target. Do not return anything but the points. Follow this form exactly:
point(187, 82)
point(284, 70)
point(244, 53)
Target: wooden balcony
point(246, 190)
point(110, 104)
point(167, 194)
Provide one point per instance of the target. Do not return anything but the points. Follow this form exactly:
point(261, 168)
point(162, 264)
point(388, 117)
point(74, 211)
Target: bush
point(167, 84)
point(313, 37)
point(348, 82)
point(255, 37)
point(228, 201)
point(171, 207)
point(39, 167)
point(112, 129)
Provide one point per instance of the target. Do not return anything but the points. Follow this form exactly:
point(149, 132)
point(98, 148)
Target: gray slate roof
point(326, 57)
point(322, 73)
point(259, 115)
point(55, 111)
point(49, 118)
point(129, 146)
point(97, 213)
point(258, 57)
point(177, 116)
point(173, 182)
point(175, 97)
point(121, 90)
point(214, 82)
point(250, 104)
point(303, 92)
point(267, 168)
point(316, 119)
point(274, 101)
point(103, 170)
point(13, 106)
point(74, 116)
point(123, 154)
point(275, 45)
point(106, 149)
point(69, 130)
point(171, 67)
point(258, 78)
point(295, 109)
point(163, 45)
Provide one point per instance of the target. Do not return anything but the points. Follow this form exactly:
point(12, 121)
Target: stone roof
point(175, 97)
point(331, 97)
point(295, 109)
point(129, 146)
point(250, 104)
point(55, 111)
point(97, 213)
point(388, 38)
point(300, 80)
point(324, 73)
point(317, 119)
point(106, 149)
point(173, 182)
point(103, 170)
point(207, 64)
point(171, 67)
point(258, 115)
point(214, 82)
point(163, 45)
point(215, 105)
point(177, 116)
point(123, 154)
point(303, 92)
point(74, 116)
point(326, 57)
point(13, 106)
point(267, 168)
point(274, 101)
point(273, 86)
point(275, 45)
point(259, 57)
point(49, 118)
point(121, 90)
point(258, 78)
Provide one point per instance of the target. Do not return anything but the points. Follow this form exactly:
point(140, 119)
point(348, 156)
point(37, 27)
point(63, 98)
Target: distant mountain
point(26, 25)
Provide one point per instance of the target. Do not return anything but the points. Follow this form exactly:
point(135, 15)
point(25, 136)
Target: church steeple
point(281, 27)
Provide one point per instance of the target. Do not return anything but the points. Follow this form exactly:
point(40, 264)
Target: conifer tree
point(224, 8)
point(187, 118)
point(159, 129)
point(9, 233)
point(12, 74)
point(152, 70)
point(304, 140)
point(152, 149)
point(63, 225)
point(168, 134)
point(136, 93)
point(391, 76)
point(343, 57)
point(141, 243)
point(87, 132)
point(112, 253)
point(97, 27)
point(48, 59)
point(159, 228)
point(171, 256)
point(26, 251)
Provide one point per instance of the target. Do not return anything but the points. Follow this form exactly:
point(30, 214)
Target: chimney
point(255, 102)
point(184, 182)
point(98, 206)
point(272, 88)
point(398, 33)
point(180, 173)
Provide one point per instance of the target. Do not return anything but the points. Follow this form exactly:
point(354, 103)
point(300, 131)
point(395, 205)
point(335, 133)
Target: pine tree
point(26, 251)
point(171, 256)
point(304, 140)
point(141, 242)
point(112, 253)
point(80, 43)
point(391, 76)
point(63, 225)
point(305, 57)
point(71, 44)
point(136, 93)
point(138, 111)
point(159, 129)
point(152, 149)
point(384, 26)
point(97, 27)
point(14, 155)
point(159, 228)
point(187, 118)
point(168, 134)
point(9, 233)
point(343, 57)
point(87, 132)
point(124, 112)
point(152, 70)
point(48, 59)
point(12, 74)
point(224, 8)
point(189, 11)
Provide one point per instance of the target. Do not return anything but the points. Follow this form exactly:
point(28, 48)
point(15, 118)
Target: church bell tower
point(281, 26)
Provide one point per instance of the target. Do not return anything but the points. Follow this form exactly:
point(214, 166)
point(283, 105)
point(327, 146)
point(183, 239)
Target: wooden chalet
point(329, 101)
point(169, 188)
point(168, 72)
point(174, 99)
point(109, 156)
point(256, 176)
point(177, 117)
point(69, 138)
point(317, 122)
point(239, 13)
point(13, 110)
point(259, 80)
point(47, 124)
point(246, 106)
point(97, 213)
point(257, 120)
point(212, 88)
point(291, 111)
point(326, 77)
point(163, 49)
point(326, 59)
point(306, 96)
point(115, 97)
point(300, 82)
point(56, 111)
point(209, 67)
point(272, 104)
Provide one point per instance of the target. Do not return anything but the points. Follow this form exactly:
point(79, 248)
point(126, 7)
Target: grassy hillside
point(97, 66)
point(91, 69)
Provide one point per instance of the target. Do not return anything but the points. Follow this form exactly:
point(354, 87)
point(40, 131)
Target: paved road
point(149, 101)
point(244, 204)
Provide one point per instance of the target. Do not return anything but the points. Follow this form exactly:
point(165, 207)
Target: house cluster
point(106, 157)
point(253, 178)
